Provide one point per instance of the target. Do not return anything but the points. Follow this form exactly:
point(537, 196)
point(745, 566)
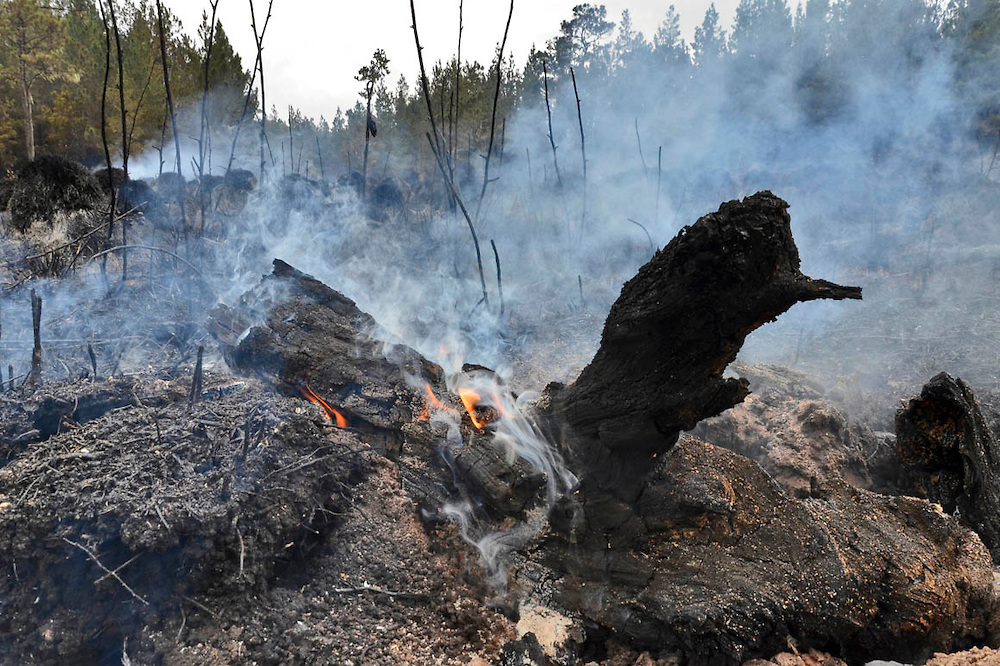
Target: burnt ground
point(244, 529)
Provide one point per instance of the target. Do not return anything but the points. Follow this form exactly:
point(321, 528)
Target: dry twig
point(111, 573)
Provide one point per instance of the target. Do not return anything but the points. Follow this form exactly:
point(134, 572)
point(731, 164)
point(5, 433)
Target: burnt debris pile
point(332, 495)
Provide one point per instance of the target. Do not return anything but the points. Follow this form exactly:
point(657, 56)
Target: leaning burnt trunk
point(671, 334)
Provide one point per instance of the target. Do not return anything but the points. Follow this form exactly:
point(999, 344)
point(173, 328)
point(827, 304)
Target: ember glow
point(331, 413)
point(471, 399)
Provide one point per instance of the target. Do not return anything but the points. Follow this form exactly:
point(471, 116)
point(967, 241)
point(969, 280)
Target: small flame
point(331, 413)
point(470, 399)
point(432, 403)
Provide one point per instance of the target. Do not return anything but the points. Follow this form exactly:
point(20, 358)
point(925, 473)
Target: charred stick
point(138, 104)
point(638, 141)
point(496, 256)
point(93, 359)
point(648, 237)
point(243, 550)
point(196, 384)
point(583, 148)
point(548, 110)
point(200, 606)
point(291, 141)
point(367, 587)
point(493, 116)
point(527, 154)
point(118, 568)
point(10, 376)
point(659, 173)
point(368, 136)
point(35, 376)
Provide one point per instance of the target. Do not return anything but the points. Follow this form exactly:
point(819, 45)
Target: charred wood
point(671, 334)
point(292, 330)
point(949, 456)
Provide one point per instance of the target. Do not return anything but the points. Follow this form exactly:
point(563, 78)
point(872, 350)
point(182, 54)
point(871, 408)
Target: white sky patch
point(314, 48)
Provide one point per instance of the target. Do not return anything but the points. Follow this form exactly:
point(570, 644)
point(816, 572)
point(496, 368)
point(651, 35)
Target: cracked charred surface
point(721, 565)
point(292, 329)
point(670, 336)
point(949, 455)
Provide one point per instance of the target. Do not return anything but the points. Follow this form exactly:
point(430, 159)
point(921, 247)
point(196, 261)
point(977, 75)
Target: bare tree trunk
point(204, 131)
point(104, 132)
point(583, 148)
point(368, 134)
point(121, 100)
point(28, 107)
point(259, 39)
point(121, 90)
point(170, 107)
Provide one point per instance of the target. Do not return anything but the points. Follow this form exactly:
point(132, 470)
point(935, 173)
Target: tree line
point(53, 61)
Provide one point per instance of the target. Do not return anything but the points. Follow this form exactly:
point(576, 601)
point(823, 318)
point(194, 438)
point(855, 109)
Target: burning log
point(949, 456)
point(670, 335)
point(309, 340)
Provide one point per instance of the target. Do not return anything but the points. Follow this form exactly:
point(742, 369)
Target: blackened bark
point(950, 457)
point(671, 334)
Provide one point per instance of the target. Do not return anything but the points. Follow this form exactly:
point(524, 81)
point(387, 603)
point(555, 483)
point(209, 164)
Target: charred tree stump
point(949, 456)
point(673, 331)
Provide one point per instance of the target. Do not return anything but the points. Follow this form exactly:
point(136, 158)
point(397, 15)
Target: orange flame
point(470, 399)
point(331, 413)
point(432, 403)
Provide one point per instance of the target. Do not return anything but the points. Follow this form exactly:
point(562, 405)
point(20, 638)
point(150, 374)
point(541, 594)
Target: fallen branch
point(111, 573)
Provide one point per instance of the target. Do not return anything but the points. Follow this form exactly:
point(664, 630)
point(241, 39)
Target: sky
point(314, 48)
